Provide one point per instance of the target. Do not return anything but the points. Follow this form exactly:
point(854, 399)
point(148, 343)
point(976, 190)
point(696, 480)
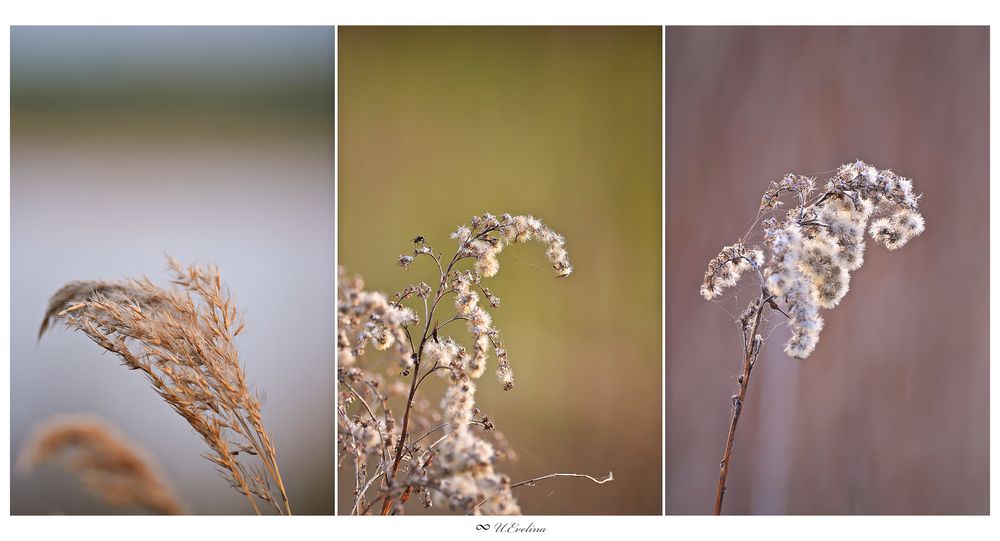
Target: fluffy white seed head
point(725, 269)
point(816, 242)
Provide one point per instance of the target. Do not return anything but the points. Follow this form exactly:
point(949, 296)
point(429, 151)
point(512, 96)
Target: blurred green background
point(213, 144)
point(440, 124)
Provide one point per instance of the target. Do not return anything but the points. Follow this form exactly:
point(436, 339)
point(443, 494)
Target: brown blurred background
point(214, 145)
point(890, 414)
point(440, 124)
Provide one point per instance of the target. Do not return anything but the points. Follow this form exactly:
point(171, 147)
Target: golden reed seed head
point(182, 338)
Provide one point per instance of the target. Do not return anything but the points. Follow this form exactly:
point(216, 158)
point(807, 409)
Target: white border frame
point(845, 12)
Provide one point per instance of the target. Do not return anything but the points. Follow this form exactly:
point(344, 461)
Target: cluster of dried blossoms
point(111, 467)
point(183, 340)
point(456, 468)
point(811, 250)
point(814, 247)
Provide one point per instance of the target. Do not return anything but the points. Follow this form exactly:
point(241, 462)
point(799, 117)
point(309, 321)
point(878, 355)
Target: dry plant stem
point(750, 353)
point(415, 382)
point(812, 241)
point(531, 482)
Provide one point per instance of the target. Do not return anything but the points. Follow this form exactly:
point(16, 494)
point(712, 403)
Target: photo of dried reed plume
point(827, 329)
point(499, 298)
point(811, 249)
point(455, 469)
point(212, 145)
point(183, 340)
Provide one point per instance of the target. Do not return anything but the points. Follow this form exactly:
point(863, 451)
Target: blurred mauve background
point(214, 145)
point(890, 414)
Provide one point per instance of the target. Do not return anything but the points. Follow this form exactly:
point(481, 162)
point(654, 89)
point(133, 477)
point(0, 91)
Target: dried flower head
point(815, 245)
point(452, 464)
point(725, 269)
point(111, 467)
point(811, 250)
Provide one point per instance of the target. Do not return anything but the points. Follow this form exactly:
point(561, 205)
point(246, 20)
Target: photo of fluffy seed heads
point(441, 453)
point(802, 259)
point(183, 339)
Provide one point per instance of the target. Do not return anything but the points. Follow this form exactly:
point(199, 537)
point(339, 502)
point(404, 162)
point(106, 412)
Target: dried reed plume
point(811, 250)
point(456, 468)
point(110, 466)
point(183, 340)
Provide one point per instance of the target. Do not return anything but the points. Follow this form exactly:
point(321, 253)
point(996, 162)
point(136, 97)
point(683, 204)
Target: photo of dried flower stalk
point(811, 250)
point(455, 470)
point(513, 367)
point(787, 393)
point(212, 145)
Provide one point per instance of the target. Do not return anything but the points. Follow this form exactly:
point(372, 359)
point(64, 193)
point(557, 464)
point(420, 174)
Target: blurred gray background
point(890, 414)
point(214, 145)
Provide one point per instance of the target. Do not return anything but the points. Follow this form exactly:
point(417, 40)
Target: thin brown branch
point(751, 351)
point(438, 295)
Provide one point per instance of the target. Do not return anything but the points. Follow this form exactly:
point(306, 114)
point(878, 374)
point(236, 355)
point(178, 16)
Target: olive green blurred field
point(439, 124)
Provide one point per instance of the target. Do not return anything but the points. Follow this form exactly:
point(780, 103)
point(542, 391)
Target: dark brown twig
point(751, 347)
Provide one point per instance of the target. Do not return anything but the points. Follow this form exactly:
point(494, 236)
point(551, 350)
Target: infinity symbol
point(482, 527)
